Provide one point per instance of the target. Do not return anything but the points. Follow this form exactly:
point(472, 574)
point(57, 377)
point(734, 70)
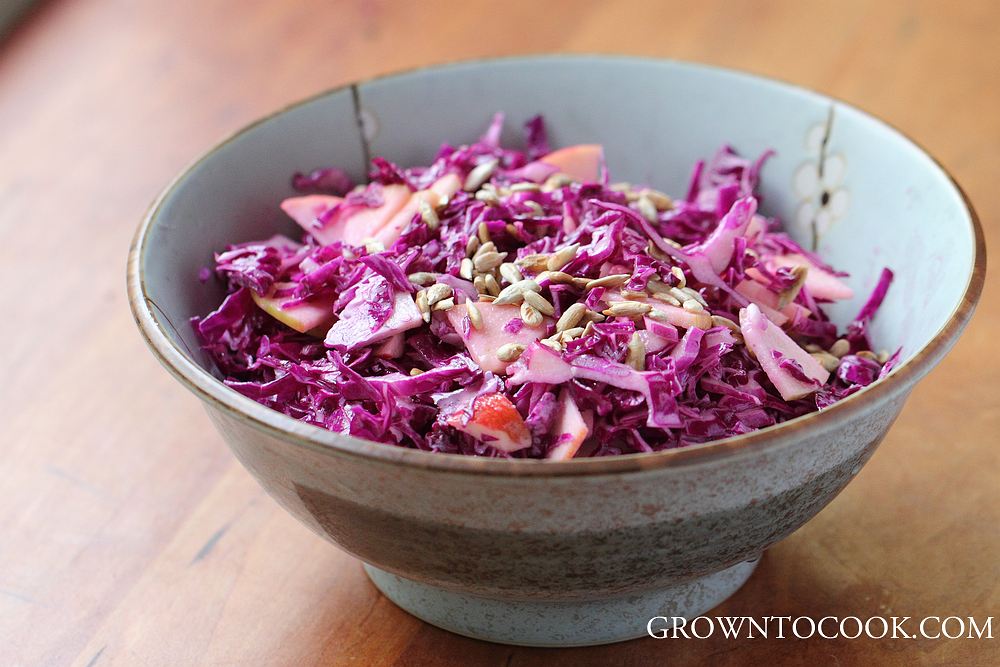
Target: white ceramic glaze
point(497, 542)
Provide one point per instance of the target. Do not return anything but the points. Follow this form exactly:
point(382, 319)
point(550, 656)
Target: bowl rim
point(296, 433)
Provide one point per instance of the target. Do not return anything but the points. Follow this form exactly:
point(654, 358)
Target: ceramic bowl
point(583, 551)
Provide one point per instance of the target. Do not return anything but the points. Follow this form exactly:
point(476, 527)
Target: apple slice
point(496, 418)
point(821, 283)
point(391, 348)
point(767, 301)
point(764, 338)
point(302, 316)
point(581, 162)
point(571, 429)
point(356, 326)
point(497, 330)
point(362, 224)
point(306, 210)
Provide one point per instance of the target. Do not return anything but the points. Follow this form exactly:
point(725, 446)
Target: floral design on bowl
point(818, 183)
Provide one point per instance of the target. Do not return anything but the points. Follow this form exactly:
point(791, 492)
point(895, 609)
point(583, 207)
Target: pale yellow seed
point(530, 315)
point(693, 306)
point(536, 262)
point(421, 301)
point(422, 278)
point(510, 272)
point(488, 197)
point(479, 282)
point(487, 298)
point(826, 360)
point(510, 351)
point(575, 332)
point(632, 294)
point(562, 257)
point(512, 294)
point(488, 261)
point(492, 286)
point(720, 321)
point(466, 269)
point(429, 215)
point(646, 208)
point(484, 232)
point(525, 186)
point(667, 298)
point(445, 304)
point(627, 309)
point(512, 231)
point(660, 200)
point(489, 246)
point(868, 354)
point(786, 296)
point(536, 208)
point(694, 294)
point(840, 348)
point(571, 317)
point(471, 246)
point(475, 317)
point(636, 356)
point(480, 174)
point(551, 344)
point(593, 316)
point(539, 303)
point(613, 280)
point(883, 356)
point(415, 371)
point(556, 181)
point(679, 274)
point(558, 277)
point(437, 292)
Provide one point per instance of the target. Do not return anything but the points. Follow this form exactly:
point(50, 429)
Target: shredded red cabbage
point(510, 303)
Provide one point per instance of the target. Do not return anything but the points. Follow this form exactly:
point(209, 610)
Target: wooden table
point(130, 535)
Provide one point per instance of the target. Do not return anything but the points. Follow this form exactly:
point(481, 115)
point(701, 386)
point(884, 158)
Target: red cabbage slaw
point(517, 303)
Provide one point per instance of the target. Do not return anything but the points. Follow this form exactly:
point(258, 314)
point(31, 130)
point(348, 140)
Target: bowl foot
point(561, 622)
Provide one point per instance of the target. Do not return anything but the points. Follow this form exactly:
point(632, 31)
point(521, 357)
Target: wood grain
point(128, 533)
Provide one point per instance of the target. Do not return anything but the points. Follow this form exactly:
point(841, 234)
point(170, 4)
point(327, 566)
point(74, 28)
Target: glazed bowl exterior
point(530, 552)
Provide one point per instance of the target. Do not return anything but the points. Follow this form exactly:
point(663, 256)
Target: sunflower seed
point(374, 247)
point(621, 186)
point(786, 296)
point(437, 292)
point(535, 207)
point(679, 294)
point(512, 231)
point(661, 201)
point(574, 332)
point(466, 268)
point(883, 356)
point(484, 232)
point(512, 294)
point(840, 348)
point(593, 316)
point(530, 315)
point(415, 371)
point(480, 174)
point(693, 306)
point(679, 274)
point(445, 304)
point(562, 257)
point(558, 277)
point(488, 261)
point(510, 351)
point(479, 282)
point(487, 298)
point(421, 301)
point(632, 295)
point(571, 317)
point(475, 317)
point(471, 246)
point(489, 246)
point(667, 298)
point(694, 294)
point(868, 354)
point(826, 360)
point(654, 251)
point(510, 272)
point(539, 303)
point(636, 357)
point(536, 262)
point(556, 181)
point(627, 309)
point(720, 321)
point(492, 286)
point(551, 344)
point(488, 197)
point(646, 208)
point(422, 278)
point(613, 280)
point(525, 186)
point(428, 214)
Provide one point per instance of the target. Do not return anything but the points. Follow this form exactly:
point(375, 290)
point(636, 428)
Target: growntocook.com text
point(828, 627)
